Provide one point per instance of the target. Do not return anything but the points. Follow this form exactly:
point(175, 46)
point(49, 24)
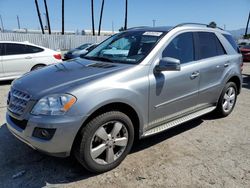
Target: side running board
point(178, 121)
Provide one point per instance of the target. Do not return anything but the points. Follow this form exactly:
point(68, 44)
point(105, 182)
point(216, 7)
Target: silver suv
point(151, 79)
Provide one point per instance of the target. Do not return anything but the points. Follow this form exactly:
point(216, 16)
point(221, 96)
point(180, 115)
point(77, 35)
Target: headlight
point(54, 105)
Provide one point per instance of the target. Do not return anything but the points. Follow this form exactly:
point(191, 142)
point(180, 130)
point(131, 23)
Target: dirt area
point(206, 152)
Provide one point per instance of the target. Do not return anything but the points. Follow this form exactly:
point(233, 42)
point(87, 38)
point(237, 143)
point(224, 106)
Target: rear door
point(15, 60)
point(212, 62)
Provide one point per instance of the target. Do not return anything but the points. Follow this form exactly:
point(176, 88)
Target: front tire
point(227, 100)
point(105, 141)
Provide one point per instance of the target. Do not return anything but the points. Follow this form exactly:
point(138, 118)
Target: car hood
point(65, 76)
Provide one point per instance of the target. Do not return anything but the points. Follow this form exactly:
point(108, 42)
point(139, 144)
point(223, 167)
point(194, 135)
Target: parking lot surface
point(206, 152)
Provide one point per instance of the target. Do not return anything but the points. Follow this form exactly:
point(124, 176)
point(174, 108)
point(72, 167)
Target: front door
point(174, 93)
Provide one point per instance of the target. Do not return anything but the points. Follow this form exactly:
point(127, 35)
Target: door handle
point(194, 75)
point(28, 57)
point(226, 65)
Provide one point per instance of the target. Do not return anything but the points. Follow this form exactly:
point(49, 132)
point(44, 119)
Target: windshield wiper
point(97, 58)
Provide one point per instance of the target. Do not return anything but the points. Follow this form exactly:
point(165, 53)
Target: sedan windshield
point(127, 47)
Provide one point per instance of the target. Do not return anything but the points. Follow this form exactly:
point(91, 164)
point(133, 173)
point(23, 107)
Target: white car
point(17, 58)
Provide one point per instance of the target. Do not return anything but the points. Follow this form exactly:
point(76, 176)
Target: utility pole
point(62, 17)
point(154, 23)
point(112, 27)
point(47, 15)
point(1, 23)
point(39, 16)
point(18, 22)
point(247, 25)
point(46, 25)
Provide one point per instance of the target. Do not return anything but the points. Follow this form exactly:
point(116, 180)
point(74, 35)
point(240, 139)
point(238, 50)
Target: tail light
point(57, 56)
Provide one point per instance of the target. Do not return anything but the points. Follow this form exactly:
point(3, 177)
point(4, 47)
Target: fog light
point(43, 133)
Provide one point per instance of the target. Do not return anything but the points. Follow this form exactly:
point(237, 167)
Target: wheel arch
point(39, 64)
point(114, 106)
point(235, 79)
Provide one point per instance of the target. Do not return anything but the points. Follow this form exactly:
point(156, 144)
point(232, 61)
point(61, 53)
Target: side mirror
point(168, 64)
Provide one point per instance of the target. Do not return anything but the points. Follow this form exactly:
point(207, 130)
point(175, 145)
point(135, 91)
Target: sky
point(231, 14)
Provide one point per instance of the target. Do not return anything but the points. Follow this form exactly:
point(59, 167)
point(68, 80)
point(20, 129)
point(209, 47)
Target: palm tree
point(39, 16)
point(92, 12)
point(100, 21)
point(126, 15)
point(47, 15)
point(62, 17)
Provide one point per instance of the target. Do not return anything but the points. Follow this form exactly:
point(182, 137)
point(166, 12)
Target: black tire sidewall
point(89, 131)
point(220, 109)
point(37, 67)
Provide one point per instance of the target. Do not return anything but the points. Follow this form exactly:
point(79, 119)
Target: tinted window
point(12, 49)
point(220, 49)
point(232, 42)
point(33, 49)
point(181, 47)
point(207, 45)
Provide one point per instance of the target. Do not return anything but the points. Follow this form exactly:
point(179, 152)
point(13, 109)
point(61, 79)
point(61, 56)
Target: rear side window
point(232, 42)
point(220, 49)
point(181, 47)
point(14, 49)
point(209, 45)
point(33, 49)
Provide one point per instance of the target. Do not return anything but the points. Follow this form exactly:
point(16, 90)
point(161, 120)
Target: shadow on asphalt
point(246, 81)
point(41, 169)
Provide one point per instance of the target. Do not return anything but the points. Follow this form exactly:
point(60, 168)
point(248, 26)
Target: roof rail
point(182, 24)
point(139, 27)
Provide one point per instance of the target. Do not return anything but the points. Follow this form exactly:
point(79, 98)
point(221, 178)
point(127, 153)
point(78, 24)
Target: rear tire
point(36, 67)
point(227, 100)
point(104, 142)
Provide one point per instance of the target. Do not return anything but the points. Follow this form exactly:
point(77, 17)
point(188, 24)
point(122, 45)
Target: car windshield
point(82, 46)
point(127, 47)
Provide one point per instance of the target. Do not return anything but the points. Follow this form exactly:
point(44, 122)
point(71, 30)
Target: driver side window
point(181, 47)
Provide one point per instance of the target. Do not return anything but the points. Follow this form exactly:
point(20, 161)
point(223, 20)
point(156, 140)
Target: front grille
point(18, 101)
point(20, 123)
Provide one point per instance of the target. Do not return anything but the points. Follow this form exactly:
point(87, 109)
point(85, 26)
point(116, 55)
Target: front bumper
point(60, 144)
